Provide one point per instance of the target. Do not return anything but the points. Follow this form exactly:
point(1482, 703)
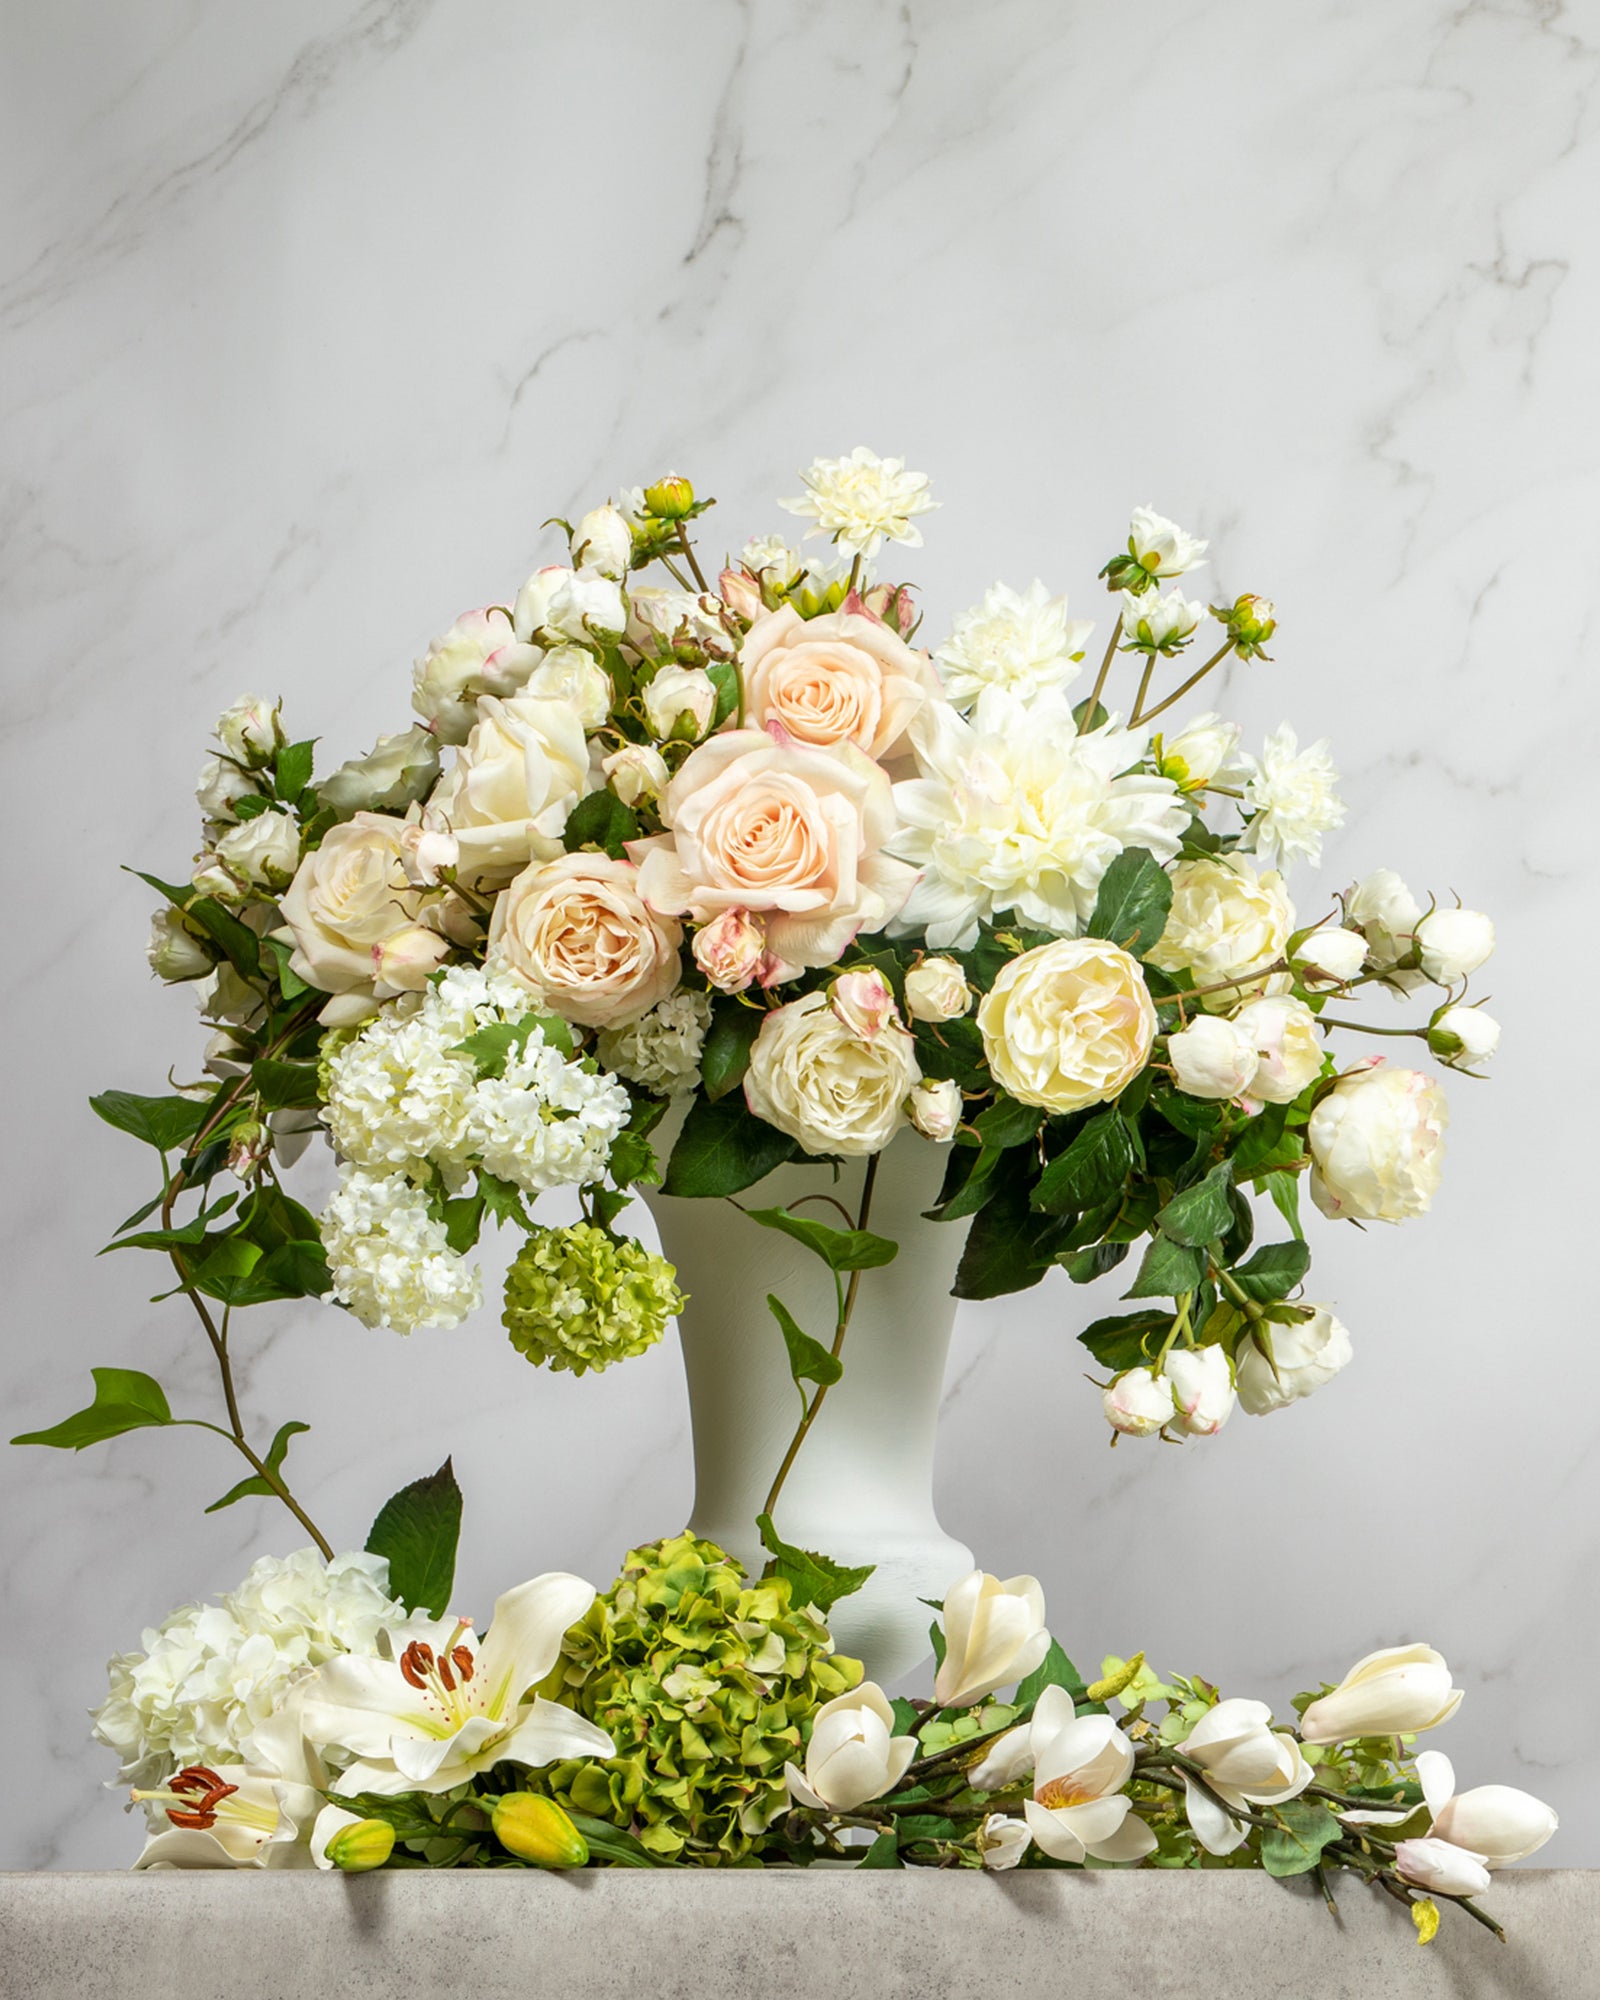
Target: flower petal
point(525, 1636)
point(1052, 1831)
point(1437, 1776)
point(548, 1731)
point(1218, 1832)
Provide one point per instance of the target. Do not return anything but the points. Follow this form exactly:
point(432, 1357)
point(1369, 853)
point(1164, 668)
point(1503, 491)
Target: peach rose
point(794, 834)
point(577, 930)
point(729, 950)
point(842, 678)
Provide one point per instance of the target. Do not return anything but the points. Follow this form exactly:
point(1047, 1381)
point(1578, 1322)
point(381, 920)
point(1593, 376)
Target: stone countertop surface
point(733, 1936)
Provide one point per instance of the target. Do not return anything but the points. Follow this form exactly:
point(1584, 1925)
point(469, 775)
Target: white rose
point(394, 774)
point(211, 878)
point(405, 959)
point(1226, 921)
point(264, 850)
point(1138, 1403)
point(1283, 1033)
point(576, 930)
point(221, 785)
point(514, 781)
point(937, 990)
point(1212, 1058)
point(481, 653)
point(1068, 1024)
point(1463, 1036)
point(1441, 1866)
point(603, 541)
point(681, 699)
point(935, 1109)
point(1454, 943)
point(1377, 1145)
point(654, 613)
point(636, 771)
point(530, 614)
point(1305, 1355)
point(1386, 913)
point(1160, 546)
point(348, 895)
point(251, 731)
point(586, 605)
point(1202, 1390)
point(826, 1086)
point(1331, 954)
point(994, 1634)
point(174, 952)
point(1200, 753)
point(570, 674)
point(428, 849)
point(852, 1755)
point(1398, 1688)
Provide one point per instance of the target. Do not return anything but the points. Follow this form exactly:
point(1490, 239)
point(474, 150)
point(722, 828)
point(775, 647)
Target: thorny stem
point(1182, 688)
point(1100, 678)
point(809, 1417)
point(689, 557)
point(1225, 985)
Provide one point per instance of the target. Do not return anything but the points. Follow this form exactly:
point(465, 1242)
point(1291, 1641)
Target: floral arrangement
point(743, 851)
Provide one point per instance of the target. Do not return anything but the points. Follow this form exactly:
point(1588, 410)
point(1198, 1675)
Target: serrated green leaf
point(1135, 897)
point(809, 1360)
point(813, 1579)
point(125, 1399)
point(729, 1040)
point(492, 1048)
point(839, 1249)
point(601, 820)
point(292, 771)
point(1091, 1169)
point(1126, 1340)
point(723, 1149)
point(1167, 1271)
point(1008, 1123)
point(417, 1531)
point(1202, 1213)
point(162, 1122)
point(1273, 1272)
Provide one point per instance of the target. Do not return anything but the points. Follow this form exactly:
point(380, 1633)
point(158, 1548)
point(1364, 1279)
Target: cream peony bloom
point(832, 1090)
point(1305, 1355)
point(1398, 1688)
point(517, 777)
point(840, 678)
point(1022, 641)
point(1377, 1145)
point(1015, 810)
point(1080, 1765)
point(348, 896)
point(853, 1755)
point(793, 834)
point(1068, 1024)
point(1226, 922)
point(1283, 1033)
point(577, 930)
point(994, 1634)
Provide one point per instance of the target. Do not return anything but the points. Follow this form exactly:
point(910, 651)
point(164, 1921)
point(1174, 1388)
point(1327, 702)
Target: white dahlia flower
point(1291, 794)
point(863, 501)
point(1022, 641)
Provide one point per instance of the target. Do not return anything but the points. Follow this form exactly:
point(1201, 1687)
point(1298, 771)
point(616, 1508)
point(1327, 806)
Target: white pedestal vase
point(861, 1489)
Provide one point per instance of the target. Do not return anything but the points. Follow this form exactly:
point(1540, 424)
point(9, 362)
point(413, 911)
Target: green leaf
point(125, 1399)
point(502, 1199)
point(1167, 1271)
point(1054, 1670)
point(291, 1271)
point(1008, 1247)
point(1296, 1845)
point(256, 1484)
point(601, 820)
point(1285, 1192)
point(1135, 896)
point(725, 678)
point(238, 941)
point(285, 1086)
point(612, 1844)
point(1084, 1266)
point(1008, 1123)
point(290, 984)
point(813, 1579)
point(463, 1221)
point(162, 1122)
point(185, 1234)
point(883, 1853)
point(417, 1531)
point(1273, 1272)
point(1091, 1169)
point(953, 1051)
point(729, 1040)
point(722, 1149)
point(839, 1249)
point(809, 1360)
point(492, 1048)
point(1126, 1340)
point(293, 769)
point(969, 1182)
point(1203, 1212)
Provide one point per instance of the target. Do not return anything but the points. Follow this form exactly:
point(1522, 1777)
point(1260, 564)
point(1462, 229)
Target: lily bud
point(364, 1844)
point(994, 1634)
point(669, 499)
point(537, 1830)
point(1400, 1688)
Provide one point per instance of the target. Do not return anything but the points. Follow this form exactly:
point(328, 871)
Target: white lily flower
point(1498, 1822)
point(1246, 1763)
point(253, 1814)
point(450, 1706)
point(1080, 1764)
point(994, 1633)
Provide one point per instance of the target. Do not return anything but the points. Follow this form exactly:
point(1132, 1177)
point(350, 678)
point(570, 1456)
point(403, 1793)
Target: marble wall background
point(311, 313)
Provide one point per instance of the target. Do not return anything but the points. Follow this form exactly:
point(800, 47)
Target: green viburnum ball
point(707, 1684)
point(576, 1298)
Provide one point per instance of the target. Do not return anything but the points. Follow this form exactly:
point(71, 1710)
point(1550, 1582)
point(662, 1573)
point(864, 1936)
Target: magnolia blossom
point(1139, 1402)
point(863, 501)
point(1377, 1145)
point(1068, 1024)
point(829, 1088)
point(1399, 1688)
point(794, 833)
point(1155, 621)
point(838, 678)
point(1496, 1822)
point(1454, 943)
point(1202, 1390)
point(730, 950)
point(1290, 795)
point(937, 990)
point(450, 1706)
point(1161, 547)
point(681, 701)
point(636, 771)
point(994, 1634)
point(1200, 754)
point(578, 931)
point(853, 1755)
point(1330, 955)
point(934, 1109)
point(1463, 1036)
point(1023, 642)
point(1227, 921)
point(515, 780)
point(481, 653)
point(1441, 1866)
point(1080, 1765)
point(1246, 1763)
point(1003, 1840)
point(1305, 1354)
point(1283, 1032)
point(1212, 1057)
point(603, 542)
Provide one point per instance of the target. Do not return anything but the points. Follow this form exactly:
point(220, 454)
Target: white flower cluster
point(392, 1264)
point(212, 1673)
point(662, 1052)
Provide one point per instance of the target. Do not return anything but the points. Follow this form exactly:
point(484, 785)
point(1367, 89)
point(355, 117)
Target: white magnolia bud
point(1454, 943)
point(937, 990)
point(603, 541)
point(1441, 1866)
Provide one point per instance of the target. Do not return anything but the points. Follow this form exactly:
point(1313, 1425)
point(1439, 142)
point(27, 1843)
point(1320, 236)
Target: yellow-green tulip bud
point(537, 1830)
point(364, 1844)
point(669, 499)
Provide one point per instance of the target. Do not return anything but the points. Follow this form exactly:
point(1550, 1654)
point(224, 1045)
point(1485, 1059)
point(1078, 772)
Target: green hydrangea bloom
point(708, 1684)
point(577, 1298)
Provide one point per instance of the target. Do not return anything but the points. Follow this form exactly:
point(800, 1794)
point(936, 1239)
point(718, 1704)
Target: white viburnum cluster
point(1021, 641)
point(391, 1260)
point(211, 1674)
point(662, 1051)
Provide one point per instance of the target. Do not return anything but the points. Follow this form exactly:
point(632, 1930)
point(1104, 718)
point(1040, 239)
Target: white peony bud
point(681, 701)
point(1139, 1403)
point(864, 1002)
point(174, 952)
point(1212, 1058)
point(1331, 955)
point(264, 851)
point(1463, 1036)
point(935, 1109)
point(603, 541)
point(1397, 1689)
point(636, 771)
point(1377, 1145)
point(221, 785)
point(1283, 1033)
point(1202, 1390)
point(1305, 1355)
point(571, 674)
point(937, 990)
point(251, 731)
point(1454, 943)
point(1440, 1865)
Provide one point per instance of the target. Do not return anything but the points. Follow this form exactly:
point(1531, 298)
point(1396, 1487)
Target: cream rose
point(1377, 1145)
point(481, 653)
point(348, 897)
point(1068, 1024)
point(518, 775)
point(1283, 1033)
point(577, 930)
point(1226, 921)
point(937, 990)
point(829, 1088)
point(729, 950)
point(792, 833)
point(841, 678)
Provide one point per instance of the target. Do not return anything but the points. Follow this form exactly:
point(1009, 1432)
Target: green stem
point(1369, 1028)
point(689, 557)
point(1183, 687)
point(1100, 678)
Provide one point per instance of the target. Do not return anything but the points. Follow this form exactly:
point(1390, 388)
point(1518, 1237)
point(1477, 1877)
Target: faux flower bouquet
point(745, 850)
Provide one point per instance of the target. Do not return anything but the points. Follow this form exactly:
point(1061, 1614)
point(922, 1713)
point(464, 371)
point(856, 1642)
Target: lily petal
point(525, 1636)
point(1053, 1831)
point(548, 1731)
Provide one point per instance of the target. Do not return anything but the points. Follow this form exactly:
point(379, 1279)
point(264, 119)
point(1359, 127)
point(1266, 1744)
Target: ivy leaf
point(1295, 1846)
point(729, 1040)
point(839, 1249)
point(813, 1579)
point(1273, 1272)
point(1091, 1169)
point(162, 1122)
point(809, 1360)
point(1135, 897)
point(256, 1484)
point(1203, 1212)
point(125, 1399)
point(722, 1149)
point(1167, 1271)
point(417, 1530)
point(601, 820)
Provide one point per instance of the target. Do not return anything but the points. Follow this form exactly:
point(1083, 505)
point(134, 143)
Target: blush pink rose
point(841, 678)
point(795, 835)
point(729, 950)
point(579, 932)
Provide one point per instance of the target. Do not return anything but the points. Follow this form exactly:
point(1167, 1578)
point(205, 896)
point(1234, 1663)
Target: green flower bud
point(576, 1298)
point(364, 1844)
point(537, 1830)
point(1251, 622)
point(670, 499)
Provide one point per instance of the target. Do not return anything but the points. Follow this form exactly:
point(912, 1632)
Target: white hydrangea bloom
point(1292, 794)
point(212, 1673)
point(1021, 641)
point(397, 1097)
point(392, 1264)
point(863, 501)
point(1015, 811)
point(661, 1051)
point(548, 1122)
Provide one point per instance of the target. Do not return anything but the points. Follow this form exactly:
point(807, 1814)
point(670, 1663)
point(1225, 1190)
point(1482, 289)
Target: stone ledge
point(686, 1935)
